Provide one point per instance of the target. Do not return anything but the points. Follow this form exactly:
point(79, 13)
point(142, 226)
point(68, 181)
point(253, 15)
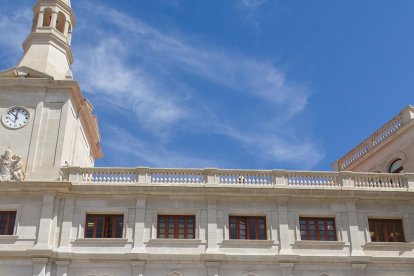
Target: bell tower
point(46, 122)
point(47, 48)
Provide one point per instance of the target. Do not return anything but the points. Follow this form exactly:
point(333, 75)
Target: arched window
point(60, 23)
point(396, 166)
point(47, 17)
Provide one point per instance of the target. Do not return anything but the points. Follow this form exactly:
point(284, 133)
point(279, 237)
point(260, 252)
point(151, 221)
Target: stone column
point(137, 268)
point(139, 226)
point(287, 269)
point(284, 235)
point(66, 232)
point(62, 268)
point(212, 224)
point(359, 269)
point(213, 268)
point(66, 31)
point(40, 20)
point(45, 225)
point(354, 233)
point(54, 19)
point(39, 266)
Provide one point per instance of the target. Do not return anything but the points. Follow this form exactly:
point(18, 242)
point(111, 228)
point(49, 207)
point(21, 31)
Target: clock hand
point(15, 116)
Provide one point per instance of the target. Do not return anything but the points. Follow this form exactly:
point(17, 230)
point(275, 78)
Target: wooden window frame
point(9, 225)
point(108, 218)
point(317, 229)
point(245, 219)
point(383, 223)
point(176, 226)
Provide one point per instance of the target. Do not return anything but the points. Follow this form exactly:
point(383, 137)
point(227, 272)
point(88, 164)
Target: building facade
point(59, 215)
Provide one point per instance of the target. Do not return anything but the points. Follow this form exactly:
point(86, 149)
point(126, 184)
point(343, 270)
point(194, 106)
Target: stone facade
point(60, 216)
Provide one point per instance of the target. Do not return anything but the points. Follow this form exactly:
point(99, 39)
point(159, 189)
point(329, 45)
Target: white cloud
point(133, 64)
point(130, 147)
point(240, 73)
point(137, 68)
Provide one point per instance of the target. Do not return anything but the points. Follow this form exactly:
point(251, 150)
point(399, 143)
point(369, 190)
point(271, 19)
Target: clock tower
point(46, 122)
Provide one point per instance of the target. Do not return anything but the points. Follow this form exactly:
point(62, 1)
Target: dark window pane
point(317, 229)
point(386, 230)
point(176, 227)
point(104, 226)
point(12, 220)
point(7, 222)
point(251, 228)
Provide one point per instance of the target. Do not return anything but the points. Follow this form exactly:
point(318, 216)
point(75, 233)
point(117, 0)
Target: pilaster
point(359, 269)
point(40, 266)
point(287, 269)
point(139, 225)
point(354, 233)
point(66, 232)
point(213, 268)
point(62, 268)
point(137, 268)
point(45, 225)
point(283, 226)
point(212, 224)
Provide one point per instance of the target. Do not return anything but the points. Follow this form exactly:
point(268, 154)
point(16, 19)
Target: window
point(248, 228)
point(47, 17)
point(104, 226)
point(320, 229)
point(7, 221)
point(60, 22)
point(176, 227)
point(396, 166)
point(386, 230)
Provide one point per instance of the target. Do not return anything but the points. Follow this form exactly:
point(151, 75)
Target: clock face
point(16, 117)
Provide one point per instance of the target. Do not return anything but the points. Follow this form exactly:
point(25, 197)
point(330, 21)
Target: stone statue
point(11, 167)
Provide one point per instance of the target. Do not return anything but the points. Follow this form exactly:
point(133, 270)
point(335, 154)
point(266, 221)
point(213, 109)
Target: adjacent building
point(60, 215)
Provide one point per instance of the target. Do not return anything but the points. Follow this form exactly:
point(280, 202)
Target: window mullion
point(176, 227)
point(6, 229)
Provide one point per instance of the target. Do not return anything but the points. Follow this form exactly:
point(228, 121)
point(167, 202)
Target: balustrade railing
point(105, 175)
point(377, 138)
point(171, 176)
point(380, 181)
point(313, 179)
point(243, 178)
point(261, 178)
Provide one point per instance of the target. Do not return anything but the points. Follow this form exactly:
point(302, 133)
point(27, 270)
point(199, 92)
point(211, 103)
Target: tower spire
point(47, 48)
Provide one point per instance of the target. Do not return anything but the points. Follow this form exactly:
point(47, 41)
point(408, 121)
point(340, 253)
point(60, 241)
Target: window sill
point(312, 243)
point(388, 245)
point(101, 240)
point(174, 241)
point(251, 243)
point(8, 237)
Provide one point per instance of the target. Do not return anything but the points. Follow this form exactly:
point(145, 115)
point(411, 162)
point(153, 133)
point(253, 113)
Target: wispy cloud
point(251, 11)
point(136, 68)
point(149, 152)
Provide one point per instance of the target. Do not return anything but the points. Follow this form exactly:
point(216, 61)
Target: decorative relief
point(11, 167)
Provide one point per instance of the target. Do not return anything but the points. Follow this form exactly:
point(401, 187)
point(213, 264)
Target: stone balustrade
point(376, 139)
point(238, 178)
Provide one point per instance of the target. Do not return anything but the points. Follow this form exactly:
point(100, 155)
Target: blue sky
point(260, 84)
